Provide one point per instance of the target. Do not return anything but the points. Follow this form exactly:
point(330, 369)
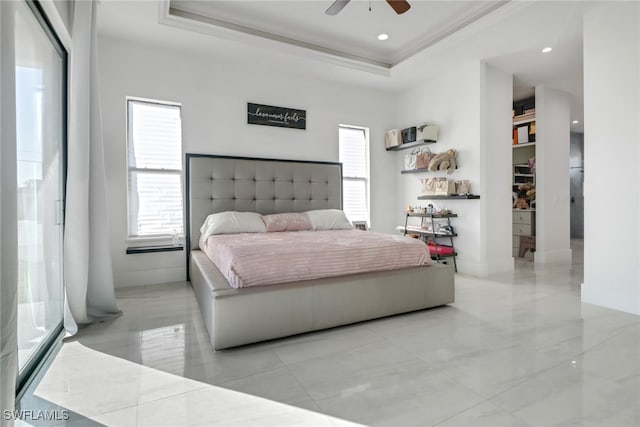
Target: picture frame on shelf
point(360, 225)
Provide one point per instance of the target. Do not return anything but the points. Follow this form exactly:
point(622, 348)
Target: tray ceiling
point(352, 34)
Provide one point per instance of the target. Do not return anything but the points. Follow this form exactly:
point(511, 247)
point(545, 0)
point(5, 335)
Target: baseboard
point(129, 279)
point(485, 268)
point(615, 301)
point(560, 257)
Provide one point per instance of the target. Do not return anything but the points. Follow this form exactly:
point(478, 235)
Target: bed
point(236, 316)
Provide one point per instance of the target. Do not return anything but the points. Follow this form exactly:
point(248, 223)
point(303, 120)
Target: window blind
point(155, 169)
point(354, 156)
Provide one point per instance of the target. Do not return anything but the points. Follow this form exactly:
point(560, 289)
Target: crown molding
point(214, 27)
point(454, 28)
point(199, 23)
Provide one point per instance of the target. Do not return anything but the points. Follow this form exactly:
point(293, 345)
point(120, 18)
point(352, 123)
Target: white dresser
point(524, 227)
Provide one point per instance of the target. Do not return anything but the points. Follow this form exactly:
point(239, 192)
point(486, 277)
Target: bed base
point(235, 317)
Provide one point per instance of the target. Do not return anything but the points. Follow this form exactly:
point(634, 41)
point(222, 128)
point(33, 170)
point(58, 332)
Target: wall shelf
point(421, 170)
point(524, 144)
point(414, 170)
point(440, 256)
point(426, 215)
point(409, 145)
point(429, 233)
point(517, 122)
point(453, 196)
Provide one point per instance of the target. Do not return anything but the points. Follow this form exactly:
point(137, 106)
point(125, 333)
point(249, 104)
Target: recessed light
point(383, 36)
point(575, 122)
point(547, 49)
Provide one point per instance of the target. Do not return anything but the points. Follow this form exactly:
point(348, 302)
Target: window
point(354, 156)
point(154, 139)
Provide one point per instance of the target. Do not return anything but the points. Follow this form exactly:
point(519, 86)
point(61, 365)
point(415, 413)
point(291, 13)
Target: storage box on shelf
point(411, 137)
point(524, 146)
point(522, 174)
point(443, 188)
point(524, 121)
point(524, 130)
point(524, 127)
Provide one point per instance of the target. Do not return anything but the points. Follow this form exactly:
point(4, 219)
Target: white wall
point(611, 156)
point(451, 101)
point(552, 177)
point(496, 103)
point(472, 105)
point(214, 97)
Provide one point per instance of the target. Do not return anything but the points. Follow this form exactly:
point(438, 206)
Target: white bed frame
point(241, 316)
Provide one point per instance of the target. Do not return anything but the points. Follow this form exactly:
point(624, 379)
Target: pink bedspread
point(257, 259)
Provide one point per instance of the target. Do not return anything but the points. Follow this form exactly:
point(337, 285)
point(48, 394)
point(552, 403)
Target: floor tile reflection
point(514, 350)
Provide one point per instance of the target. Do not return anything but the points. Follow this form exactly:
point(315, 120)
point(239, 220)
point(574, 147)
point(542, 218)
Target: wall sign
point(268, 115)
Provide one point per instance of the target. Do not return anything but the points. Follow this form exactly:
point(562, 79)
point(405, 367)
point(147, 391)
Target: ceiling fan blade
point(400, 6)
point(336, 7)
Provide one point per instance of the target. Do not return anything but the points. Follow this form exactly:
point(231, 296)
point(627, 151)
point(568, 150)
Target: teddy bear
point(524, 187)
point(521, 203)
point(531, 194)
point(526, 196)
point(444, 162)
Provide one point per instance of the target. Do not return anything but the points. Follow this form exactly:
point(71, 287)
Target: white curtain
point(8, 213)
point(87, 258)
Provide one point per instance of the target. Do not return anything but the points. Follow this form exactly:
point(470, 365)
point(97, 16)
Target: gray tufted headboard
point(224, 183)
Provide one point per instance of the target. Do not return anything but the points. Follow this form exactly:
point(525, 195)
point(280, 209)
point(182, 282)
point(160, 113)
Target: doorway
point(576, 185)
point(41, 75)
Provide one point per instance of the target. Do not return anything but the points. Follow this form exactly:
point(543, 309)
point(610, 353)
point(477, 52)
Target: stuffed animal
point(526, 196)
point(527, 190)
point(531, 194)
point(523, 188)
point(522, 203)
point(444, 162)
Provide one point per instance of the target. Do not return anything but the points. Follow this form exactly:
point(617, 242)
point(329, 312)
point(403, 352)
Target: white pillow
point(329, 219)
point(232, 222)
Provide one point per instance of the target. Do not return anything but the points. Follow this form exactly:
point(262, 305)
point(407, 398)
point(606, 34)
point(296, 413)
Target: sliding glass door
point(41, 127)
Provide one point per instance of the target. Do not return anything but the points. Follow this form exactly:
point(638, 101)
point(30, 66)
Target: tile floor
point(514, 350)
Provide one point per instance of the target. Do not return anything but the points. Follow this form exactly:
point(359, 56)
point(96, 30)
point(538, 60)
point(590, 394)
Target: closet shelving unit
point(524, 220)
point(430, 235)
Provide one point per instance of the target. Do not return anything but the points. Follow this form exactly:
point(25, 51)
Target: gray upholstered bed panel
point(223, 183)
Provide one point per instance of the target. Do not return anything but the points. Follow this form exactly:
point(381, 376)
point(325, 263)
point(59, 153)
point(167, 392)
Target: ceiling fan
point(399, 6)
